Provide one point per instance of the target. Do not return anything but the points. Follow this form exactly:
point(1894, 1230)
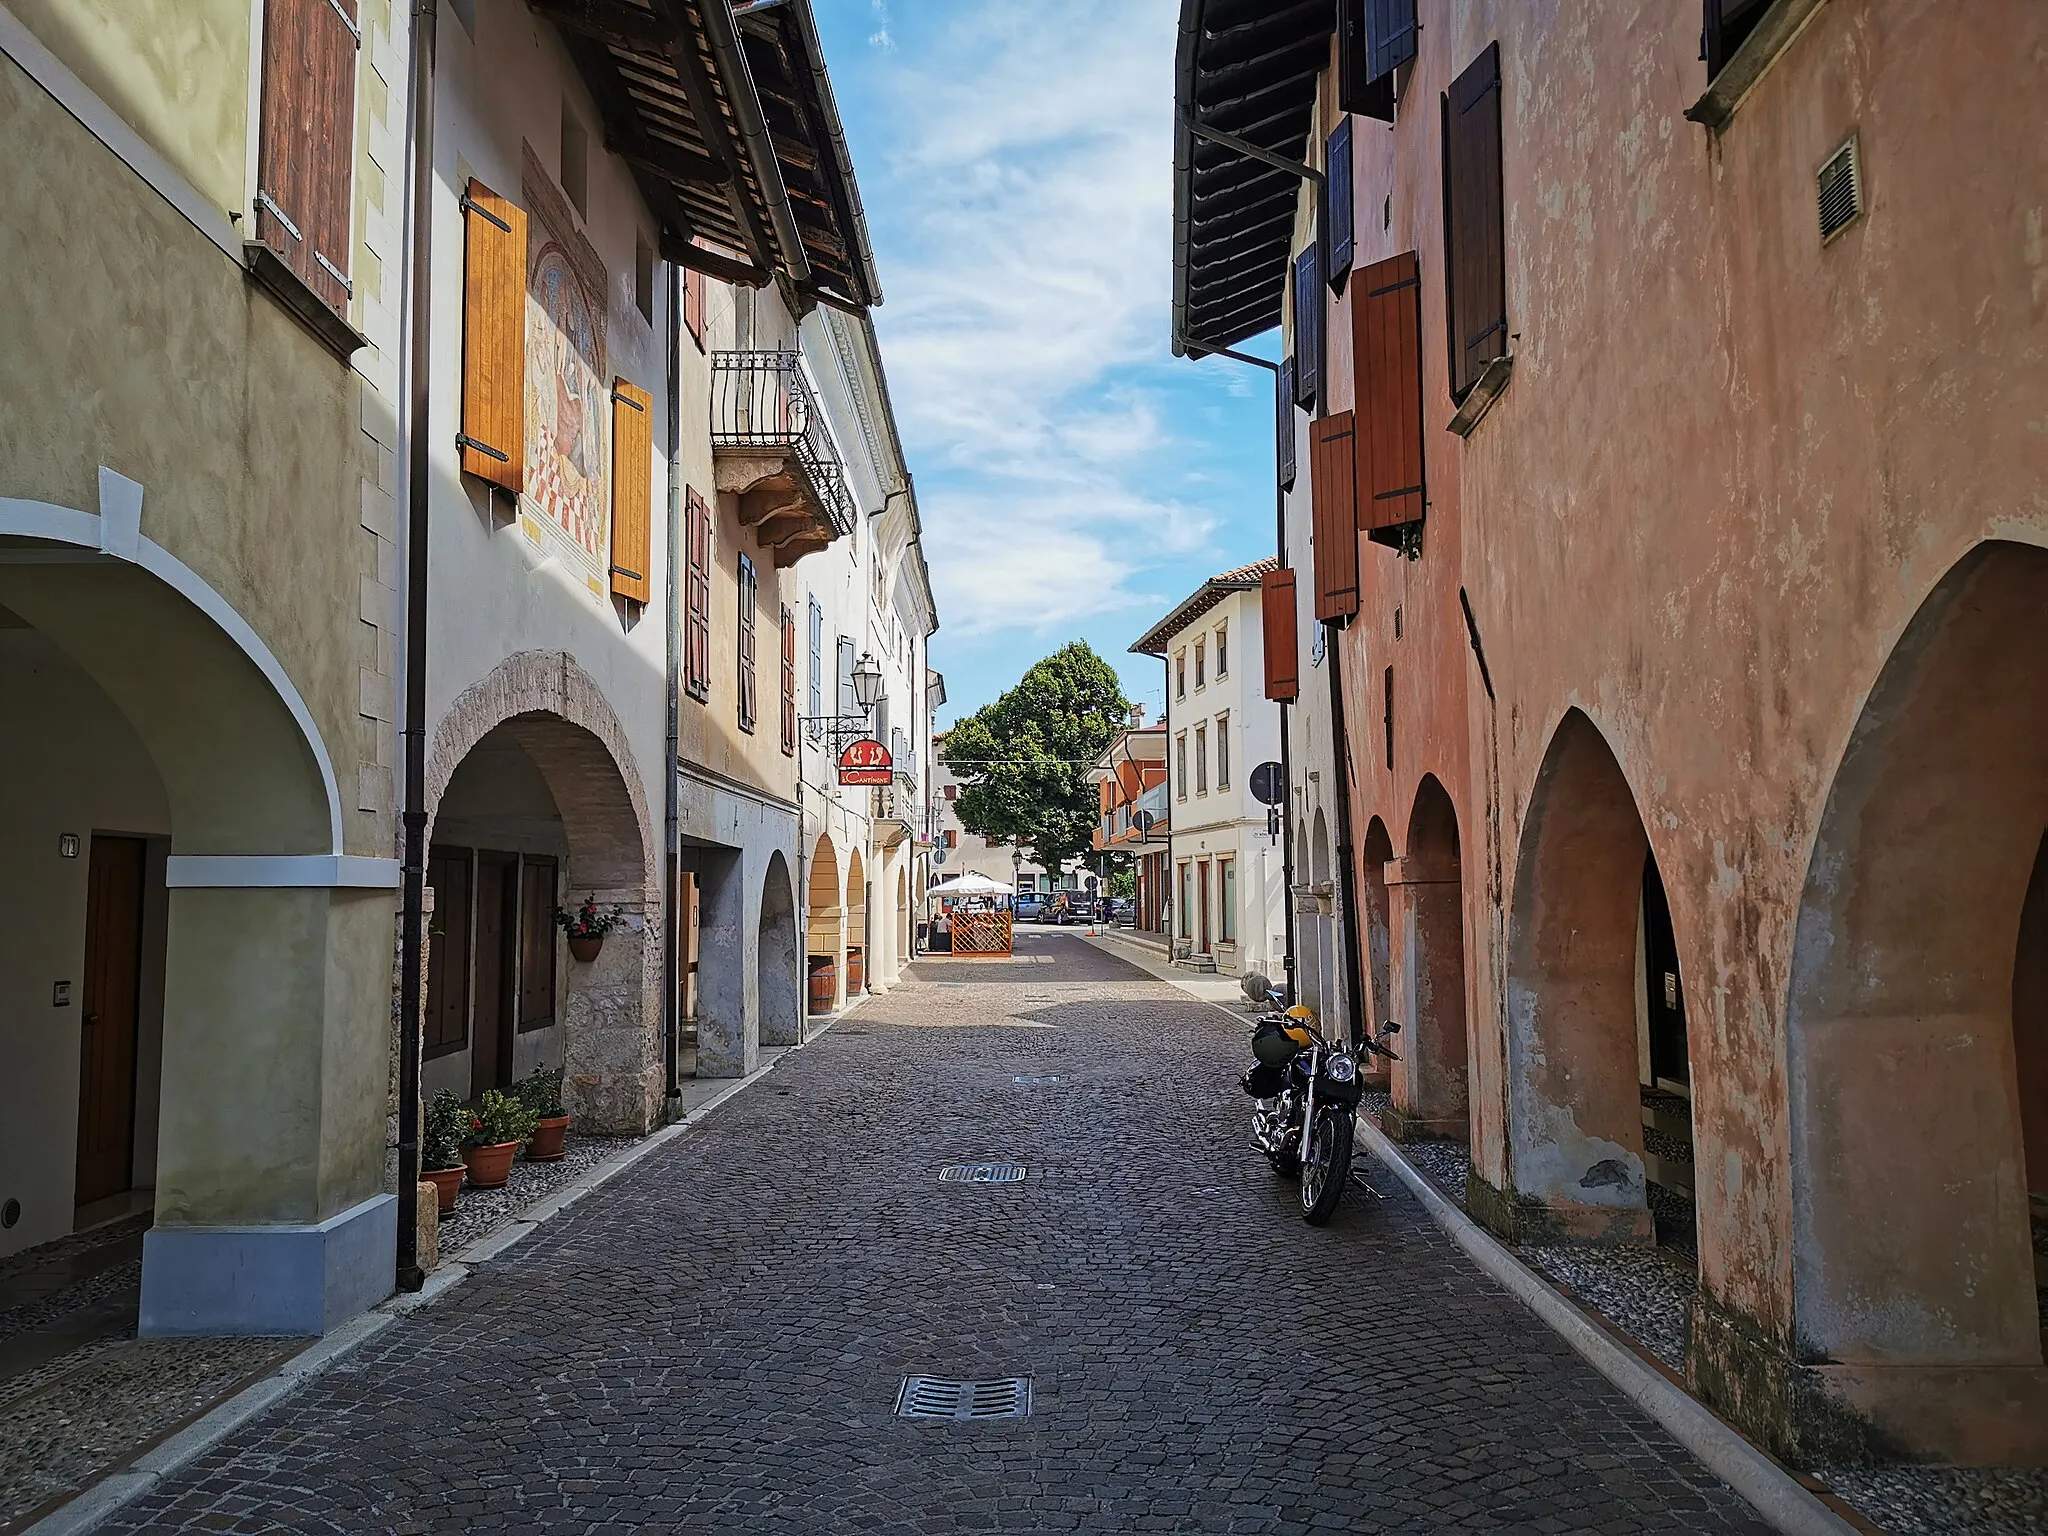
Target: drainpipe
point(413, 856)
point(1286, 742)
point(671, 904)
point(1347, 877)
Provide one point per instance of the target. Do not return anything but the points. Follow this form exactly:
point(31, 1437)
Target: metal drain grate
point(1034, 1082)
point(982, 1173)
point(934, 1397)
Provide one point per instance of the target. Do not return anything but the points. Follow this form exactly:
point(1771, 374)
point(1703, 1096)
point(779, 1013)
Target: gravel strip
point(104, 1286)
point(478, 1211)
point(1936, 1501)
point(1645, 1292)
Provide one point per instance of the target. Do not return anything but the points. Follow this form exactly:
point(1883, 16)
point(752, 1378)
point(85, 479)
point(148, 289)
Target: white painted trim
point(106, 125)
point(67, 525)
point(283, 871)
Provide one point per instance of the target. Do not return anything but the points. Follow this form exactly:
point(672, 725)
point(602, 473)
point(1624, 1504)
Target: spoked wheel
point(1327, 1167)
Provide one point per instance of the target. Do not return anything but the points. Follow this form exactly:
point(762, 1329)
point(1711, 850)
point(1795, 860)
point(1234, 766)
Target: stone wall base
point(1521, 1218)
point(1402, 1126)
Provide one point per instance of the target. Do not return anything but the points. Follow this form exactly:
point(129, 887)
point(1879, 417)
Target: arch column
point(1427, 971)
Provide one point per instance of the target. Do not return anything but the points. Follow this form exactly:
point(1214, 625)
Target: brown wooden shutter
point(493, 438)
point(1333, 477)
point(1276, 610)
point(1386, 342)
point(1475, 258)
point(632, 491)
point(693, 304)
point(305, 177)
point(788, 683)
point(536, 944)
point(697, 598)
point(447, 1022)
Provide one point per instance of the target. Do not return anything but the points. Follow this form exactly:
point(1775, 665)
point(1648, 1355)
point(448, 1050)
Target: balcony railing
point(762, 400)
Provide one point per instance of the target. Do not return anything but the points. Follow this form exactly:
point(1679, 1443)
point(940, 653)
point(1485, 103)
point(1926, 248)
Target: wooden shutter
point(693, 304)
point(493, 436)
point(1358, 88)
point(1475, 260)
point(1333, 472)
point(1337, 202)
point(1389, 36)
point(305, 177)
point(632, 491)
point(1308, 328)
point(1386, 341)
point(749, 614)
point(1283, 426)
point(697, 597)
point(788, 683)
point(536, 944)
point(1276, 610)
point(447, 1022)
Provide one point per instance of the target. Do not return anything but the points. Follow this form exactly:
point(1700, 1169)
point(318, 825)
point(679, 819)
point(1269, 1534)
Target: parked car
point(1028, 908)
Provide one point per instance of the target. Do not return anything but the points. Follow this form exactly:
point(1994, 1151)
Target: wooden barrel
point(856, 974)
point(824, 982)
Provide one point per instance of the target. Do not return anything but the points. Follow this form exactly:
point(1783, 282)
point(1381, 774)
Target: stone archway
point(1575, 1128)
point(541, 708)
point(825, 923)
point(1430, 1079)
point(1919, 988)
point(854, 927)
point(1321, 914)
point(905, 948)
point(1375, 853)
point(779, 980)
point(1308, 955)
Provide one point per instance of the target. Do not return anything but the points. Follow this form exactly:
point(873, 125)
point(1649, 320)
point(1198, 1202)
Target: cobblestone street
point(715, 1341)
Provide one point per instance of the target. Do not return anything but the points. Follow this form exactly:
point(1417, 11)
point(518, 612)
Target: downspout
point(1286, 742)
point(1347, 877)
point(413, 854)
point(671, 903)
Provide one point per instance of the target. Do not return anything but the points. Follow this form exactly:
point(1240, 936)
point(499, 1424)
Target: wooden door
point(490, 1032)
point(1202, 901)
point(537, 944)
point(686, 944)
point(108, 1012)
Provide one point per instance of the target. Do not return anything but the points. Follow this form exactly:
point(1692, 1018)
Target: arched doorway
point(778, 982)
point(534, 810)
point(1919, 998)
point(854, 971)
point(1429, 1081)
point(1308, 952)
point(825, 930)
point(1322, 917)
point(1375, 925)
point(1577, 1013)
point(904, 944)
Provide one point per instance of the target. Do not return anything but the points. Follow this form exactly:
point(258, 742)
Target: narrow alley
point(716, 1340)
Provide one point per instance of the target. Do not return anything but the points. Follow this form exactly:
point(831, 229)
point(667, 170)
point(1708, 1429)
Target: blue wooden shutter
point(1389, 36)
point(1283, 426)
point(1337, 202)
point(1308, 329)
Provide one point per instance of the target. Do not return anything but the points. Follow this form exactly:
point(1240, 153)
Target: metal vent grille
point(934, 1397)
point(982, 1173)
point(1841, 191)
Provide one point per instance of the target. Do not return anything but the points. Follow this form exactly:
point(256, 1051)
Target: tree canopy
point(1023, 761)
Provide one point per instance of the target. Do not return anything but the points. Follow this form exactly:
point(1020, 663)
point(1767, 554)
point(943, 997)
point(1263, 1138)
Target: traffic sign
point(1268, 787)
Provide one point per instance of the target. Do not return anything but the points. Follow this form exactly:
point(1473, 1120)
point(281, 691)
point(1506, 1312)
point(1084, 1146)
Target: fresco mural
point(565, 369)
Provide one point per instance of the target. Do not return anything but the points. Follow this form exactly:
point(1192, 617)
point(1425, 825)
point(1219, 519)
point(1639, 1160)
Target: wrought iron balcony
point(773, 452)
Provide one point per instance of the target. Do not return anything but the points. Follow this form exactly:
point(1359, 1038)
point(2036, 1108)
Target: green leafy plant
point(497, 1118)
point(444, 1131)
point(541, 1092)
point(587, 921)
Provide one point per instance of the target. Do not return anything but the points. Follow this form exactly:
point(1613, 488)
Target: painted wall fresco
point(565, 369)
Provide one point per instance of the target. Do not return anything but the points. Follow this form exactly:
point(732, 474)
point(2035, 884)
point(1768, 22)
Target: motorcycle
point(1307, 1090)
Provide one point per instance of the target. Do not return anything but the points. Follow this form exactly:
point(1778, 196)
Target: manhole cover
point(1034, 1082)
point(982, 1173)
point(934, 1397)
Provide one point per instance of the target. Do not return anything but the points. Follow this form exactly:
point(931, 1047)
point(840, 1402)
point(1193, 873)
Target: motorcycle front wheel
point(1327, 1167)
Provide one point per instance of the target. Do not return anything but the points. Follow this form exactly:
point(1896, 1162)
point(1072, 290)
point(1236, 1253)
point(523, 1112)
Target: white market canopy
point(970, 884)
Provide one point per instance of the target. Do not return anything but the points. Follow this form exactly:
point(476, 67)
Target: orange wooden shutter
point(306, 149)
point(1276, 608)
point(632, 491)
point(693, 303)
point(1386, 332)
point(493, 438)
point(1333, 472)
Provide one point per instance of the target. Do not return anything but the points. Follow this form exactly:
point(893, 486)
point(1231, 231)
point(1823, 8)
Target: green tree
point(1023, 761)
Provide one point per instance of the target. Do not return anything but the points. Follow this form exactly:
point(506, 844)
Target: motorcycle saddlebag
point(1271, 1045)
point(1264, 1080)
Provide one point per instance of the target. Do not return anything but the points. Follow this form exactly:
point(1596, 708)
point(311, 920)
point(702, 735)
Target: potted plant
point(541, 1092)
point(497, 1124)
point(587, 926)
point(442, 1133)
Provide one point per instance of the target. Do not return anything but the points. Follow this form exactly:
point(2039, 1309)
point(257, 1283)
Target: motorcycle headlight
point(1341, 1069)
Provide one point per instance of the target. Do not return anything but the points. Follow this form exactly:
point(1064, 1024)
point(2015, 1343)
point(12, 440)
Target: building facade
point(1693, 711)
point(1137, 817)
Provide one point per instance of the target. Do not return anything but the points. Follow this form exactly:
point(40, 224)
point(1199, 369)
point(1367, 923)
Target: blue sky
point(1076, 480)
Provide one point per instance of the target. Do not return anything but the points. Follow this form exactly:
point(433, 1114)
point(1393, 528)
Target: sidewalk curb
point(1768, 1488)
point(111, 1494)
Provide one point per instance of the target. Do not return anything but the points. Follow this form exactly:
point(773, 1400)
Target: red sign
point(865, 761)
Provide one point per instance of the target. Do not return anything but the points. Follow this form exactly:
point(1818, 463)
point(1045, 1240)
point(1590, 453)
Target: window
point(1226, 899)
point(1223, 751)
point(632, 491)
point(749, 591)
point(1201, 759)
point(575, 160)
point(788, 683)
point(492, 440)
point(1201, 663)
point(536, 944)
point(305, 157)
point(697, 599)
point(952, 791)
point(1223, 650)
point(1180, 674)
point(1389, 717)
point(1475, 259)
point(1276, 623)
point(1727, 23)
point(1180, 778)
point(817, 670)
point(643, 275)
point(952, 839)
point(1187, 901)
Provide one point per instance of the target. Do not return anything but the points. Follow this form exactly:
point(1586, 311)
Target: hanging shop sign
point(865, 761)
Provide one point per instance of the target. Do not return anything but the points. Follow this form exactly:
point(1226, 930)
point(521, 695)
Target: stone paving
point(715, 1340)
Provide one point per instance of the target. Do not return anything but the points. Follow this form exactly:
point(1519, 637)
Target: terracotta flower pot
point(584, 946)
point(490, 1167)
point(446, 1182)
point(546, 1146)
